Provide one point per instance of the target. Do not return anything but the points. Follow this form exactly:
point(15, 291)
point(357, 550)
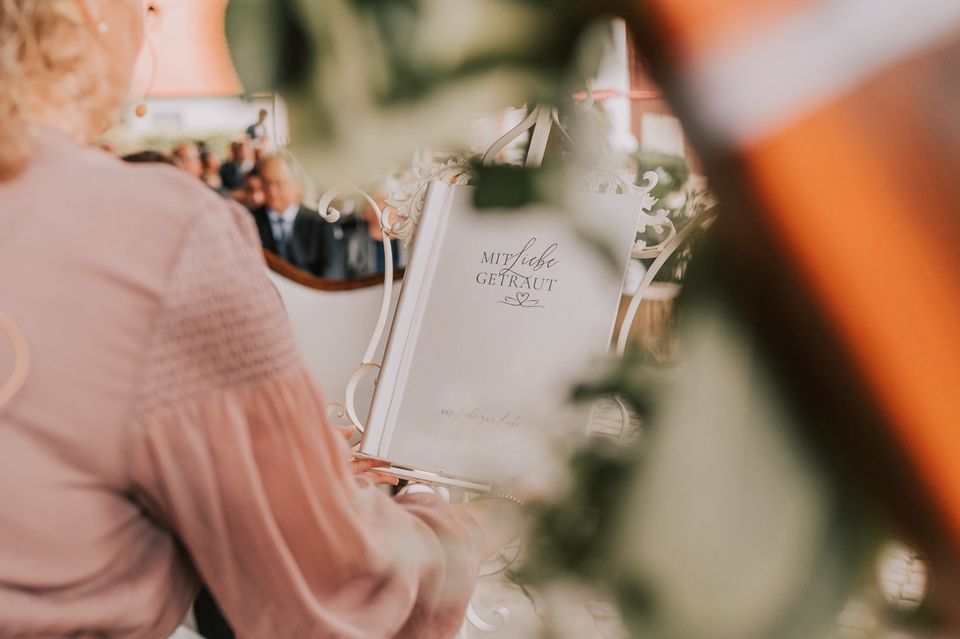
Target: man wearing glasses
point(292, 231)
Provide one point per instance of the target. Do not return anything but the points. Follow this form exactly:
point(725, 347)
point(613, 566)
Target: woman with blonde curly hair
point(168, 431)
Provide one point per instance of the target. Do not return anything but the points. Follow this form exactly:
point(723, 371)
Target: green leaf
point(504, 186)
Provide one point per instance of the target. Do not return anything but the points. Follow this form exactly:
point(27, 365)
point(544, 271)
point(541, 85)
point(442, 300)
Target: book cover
point(500, 314)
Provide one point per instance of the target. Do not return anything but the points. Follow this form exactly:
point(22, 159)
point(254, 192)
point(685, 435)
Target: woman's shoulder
point(154, 186)
point(174, 196)
point(93, 177)
point(157, 199)
point(143, 216)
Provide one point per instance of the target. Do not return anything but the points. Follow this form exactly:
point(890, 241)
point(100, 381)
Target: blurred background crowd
point(269, 186)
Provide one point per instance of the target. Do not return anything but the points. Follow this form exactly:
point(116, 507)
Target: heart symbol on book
point(522, 300)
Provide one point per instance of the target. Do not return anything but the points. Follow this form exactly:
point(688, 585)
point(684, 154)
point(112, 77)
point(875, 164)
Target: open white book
point(500, 314)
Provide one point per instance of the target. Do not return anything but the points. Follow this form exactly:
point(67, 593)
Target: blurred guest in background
point(250, 194)
point(187, 156)
point(241, 162)
point(148, 157)
point(364, 245)
point(294, 232)
point(257, 132)
point(211, 171)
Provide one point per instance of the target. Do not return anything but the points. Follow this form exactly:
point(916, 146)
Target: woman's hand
point(364, 466)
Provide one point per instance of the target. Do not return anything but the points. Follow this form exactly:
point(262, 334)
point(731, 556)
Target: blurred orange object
point(832, 122)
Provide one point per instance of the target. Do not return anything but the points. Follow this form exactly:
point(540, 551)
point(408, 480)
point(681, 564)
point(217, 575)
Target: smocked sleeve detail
point(232, 452)
point(221, 322)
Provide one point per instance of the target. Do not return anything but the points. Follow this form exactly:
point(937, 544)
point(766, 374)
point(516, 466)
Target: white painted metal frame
point(330, 214)
point(539, 122)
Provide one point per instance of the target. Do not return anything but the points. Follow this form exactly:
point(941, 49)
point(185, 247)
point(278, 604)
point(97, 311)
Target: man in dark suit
point(257, 132)
point(241, 162)
point(294, 232)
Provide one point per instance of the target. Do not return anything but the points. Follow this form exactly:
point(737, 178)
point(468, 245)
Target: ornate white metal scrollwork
point(621, 182)
point(539, 121)
point(665, 251)
point(406, 205)
point(330, 214)
point(501, 616)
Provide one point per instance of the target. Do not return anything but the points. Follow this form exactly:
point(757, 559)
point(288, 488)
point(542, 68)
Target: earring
point(141, 109)
point(103, 28)
point(153, 17)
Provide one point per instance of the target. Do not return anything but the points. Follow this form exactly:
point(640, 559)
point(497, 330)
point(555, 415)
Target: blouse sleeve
point(231, 450)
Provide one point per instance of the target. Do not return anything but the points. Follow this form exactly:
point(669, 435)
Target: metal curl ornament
point(21, 359)
point(367, 365)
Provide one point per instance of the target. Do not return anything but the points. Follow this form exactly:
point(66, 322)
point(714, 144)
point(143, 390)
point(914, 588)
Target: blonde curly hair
point(52, 72)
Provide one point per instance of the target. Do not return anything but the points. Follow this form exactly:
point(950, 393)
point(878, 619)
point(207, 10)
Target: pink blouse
point(169, 432)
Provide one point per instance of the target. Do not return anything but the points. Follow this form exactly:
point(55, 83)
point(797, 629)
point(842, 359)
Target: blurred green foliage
point(367, 81)
point(505, 186)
